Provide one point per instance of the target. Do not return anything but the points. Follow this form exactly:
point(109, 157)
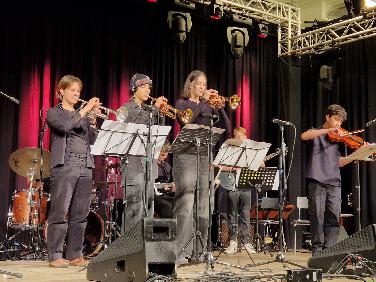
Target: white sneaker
point(232, 248)
point(249, 248)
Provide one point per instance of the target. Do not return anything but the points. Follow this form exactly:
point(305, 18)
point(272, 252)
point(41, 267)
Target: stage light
point(367, 4)
point(185, 4)
point(217, 10)
point(152, 1)
point(179, 23)
point(238, 38)
point(261, 30)
point(352, 7)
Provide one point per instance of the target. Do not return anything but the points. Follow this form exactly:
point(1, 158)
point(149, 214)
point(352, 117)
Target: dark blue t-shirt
point(323, 163)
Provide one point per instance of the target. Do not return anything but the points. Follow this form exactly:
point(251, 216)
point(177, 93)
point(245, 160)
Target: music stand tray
point(118, 139)
point(265, 179)
point(185, 142)
point(242, 153)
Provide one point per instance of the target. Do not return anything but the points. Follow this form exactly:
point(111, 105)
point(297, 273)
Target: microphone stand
point(281, 195)
point(209, 254)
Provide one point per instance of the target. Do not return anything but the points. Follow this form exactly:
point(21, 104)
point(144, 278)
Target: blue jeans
point(185, 176)
point(238, 208)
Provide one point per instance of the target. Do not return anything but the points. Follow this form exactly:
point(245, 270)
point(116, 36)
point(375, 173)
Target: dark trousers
point(163, 205)
point(324, 212)
point(238, 208)
point(70, 205)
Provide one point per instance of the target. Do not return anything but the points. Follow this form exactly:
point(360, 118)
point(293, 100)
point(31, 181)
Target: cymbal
point(23, 160)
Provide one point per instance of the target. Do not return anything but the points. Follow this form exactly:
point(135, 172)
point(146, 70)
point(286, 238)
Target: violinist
point(324, 179)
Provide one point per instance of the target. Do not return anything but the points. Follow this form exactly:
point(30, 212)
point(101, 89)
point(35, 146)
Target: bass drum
point(94, 235)
point(93, 238)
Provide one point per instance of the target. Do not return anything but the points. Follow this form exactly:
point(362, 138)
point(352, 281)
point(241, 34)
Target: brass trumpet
point(171, 112)
point(100, 115)
point(218, 102)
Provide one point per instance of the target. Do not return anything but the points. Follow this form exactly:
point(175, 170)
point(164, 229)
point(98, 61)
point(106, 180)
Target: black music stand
point(261, 180)
point(193, 139)
point(121, 139)
point(243, 154)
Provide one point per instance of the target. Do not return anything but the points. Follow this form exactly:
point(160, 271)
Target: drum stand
point(112, 229)
point(35, 245)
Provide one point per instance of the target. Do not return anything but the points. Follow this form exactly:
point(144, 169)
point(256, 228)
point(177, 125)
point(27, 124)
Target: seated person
point(164, 195)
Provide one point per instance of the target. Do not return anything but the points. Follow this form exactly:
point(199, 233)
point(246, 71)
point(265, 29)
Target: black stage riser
point(361, 242)
point(149, 246)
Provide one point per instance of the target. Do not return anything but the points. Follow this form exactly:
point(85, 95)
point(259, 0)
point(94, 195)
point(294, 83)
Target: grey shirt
point(64, 124)
point(323, 164)
point(141, 115)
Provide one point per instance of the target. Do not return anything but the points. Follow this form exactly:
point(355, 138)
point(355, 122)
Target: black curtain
point(345, 76)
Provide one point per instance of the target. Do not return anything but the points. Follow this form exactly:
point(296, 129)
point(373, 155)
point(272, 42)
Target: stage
point(275, 271)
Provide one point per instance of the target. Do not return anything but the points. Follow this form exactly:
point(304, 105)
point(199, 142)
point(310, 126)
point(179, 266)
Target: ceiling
point(320, 10)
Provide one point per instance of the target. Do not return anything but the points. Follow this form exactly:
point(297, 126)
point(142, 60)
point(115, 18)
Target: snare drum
point(23, 213)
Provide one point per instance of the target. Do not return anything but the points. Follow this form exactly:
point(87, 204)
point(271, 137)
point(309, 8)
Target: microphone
point(368, 124)
point(10, 98)
point(281, 122)
point(211, 116)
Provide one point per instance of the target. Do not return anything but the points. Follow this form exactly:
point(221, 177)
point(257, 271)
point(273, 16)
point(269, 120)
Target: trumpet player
point(185, 166)
point(72, 132)
point(133, 172)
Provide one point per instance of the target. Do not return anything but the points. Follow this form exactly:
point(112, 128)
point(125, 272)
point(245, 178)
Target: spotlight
point(261, 30)
point(238, 39)
point(367, 4)
point(185, 4)
point(217, 10)
point(352, 7)
point(179, 23)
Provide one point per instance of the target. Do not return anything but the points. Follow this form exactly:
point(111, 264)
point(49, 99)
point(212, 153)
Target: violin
point(349, 138)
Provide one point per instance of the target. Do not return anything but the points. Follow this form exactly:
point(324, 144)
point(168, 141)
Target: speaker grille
point(362, 242)
point(129, 243)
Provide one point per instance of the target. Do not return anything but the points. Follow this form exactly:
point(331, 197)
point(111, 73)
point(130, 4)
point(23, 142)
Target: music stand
point(362, 154)
point(193, 139)
point(262, 180)
point(121, 139)
point(236, 153)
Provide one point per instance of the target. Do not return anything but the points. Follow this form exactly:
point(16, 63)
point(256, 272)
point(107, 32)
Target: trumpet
point(218, 102)
point(104, 115)
point(171, 112)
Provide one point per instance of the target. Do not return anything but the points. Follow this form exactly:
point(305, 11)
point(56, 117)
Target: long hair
point(65, 82)
point(192, 78)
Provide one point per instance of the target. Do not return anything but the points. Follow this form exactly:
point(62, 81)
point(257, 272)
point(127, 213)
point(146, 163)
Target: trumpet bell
point(186, 116)
point(234, 101)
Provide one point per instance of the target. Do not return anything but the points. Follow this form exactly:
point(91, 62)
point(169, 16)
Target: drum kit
point(27, 223)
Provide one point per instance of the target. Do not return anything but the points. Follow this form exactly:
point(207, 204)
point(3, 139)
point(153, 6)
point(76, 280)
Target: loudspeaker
point(304, 275)
point(361, 242)
point(149, 246)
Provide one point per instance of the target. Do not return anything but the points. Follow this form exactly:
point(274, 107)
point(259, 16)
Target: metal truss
point(333, 35)
point(287, 17)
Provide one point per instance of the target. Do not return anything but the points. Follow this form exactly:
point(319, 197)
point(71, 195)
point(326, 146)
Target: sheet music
point(115, 137)
point(363, 153)
point(242, 153)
